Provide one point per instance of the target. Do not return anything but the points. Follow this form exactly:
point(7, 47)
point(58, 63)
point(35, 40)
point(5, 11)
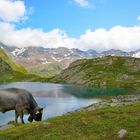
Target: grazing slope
point(109, 71)
point(102, 124)
point(10, 71)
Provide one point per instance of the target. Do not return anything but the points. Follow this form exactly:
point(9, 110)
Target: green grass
point(13, 76)
point(102, 124)
point(48, 69)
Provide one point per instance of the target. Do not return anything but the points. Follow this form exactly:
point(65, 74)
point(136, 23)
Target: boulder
point(5, 127)
point(122, 133)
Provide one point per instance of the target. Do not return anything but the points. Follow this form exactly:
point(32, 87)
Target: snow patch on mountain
point(58, 60)
point(44, 61)
point(18, 51)
point(54, 52)
point(66, 55)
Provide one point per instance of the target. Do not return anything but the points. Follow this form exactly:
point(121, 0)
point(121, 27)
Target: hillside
point(11, 72)
point(109, 71)
point(47, 69)
point(5, 59)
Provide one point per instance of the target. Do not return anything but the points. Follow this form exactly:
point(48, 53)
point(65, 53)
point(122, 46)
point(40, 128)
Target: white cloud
point(83, 3)
point(12, 11)
point(138, 18)
point(118, 37)
point(33, 37)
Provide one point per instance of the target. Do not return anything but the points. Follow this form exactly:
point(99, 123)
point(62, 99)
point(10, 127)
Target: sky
point(85, 24)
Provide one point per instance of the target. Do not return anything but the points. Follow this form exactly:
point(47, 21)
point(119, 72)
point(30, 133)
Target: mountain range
point(51, 61)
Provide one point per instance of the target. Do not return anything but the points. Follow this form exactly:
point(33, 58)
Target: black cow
point(22, 102)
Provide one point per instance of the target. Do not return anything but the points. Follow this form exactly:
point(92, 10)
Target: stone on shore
point(5, 127)
point(122, 133)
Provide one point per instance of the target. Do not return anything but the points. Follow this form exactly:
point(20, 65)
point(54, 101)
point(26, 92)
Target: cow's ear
point(41, 110)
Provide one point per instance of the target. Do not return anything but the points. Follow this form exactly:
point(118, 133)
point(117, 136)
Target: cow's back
point(12, 96)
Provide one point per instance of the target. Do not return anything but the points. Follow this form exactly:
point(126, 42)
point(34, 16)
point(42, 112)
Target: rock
point(114, 100)
point(113, 104)
point(122, 133)
point(91, 108)
point(46, 123)
point(7, 126)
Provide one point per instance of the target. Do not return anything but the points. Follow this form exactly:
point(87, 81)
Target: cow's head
point(37, 115)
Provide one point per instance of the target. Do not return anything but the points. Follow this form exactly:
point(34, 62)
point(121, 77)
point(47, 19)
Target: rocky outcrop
point(5, 127)
point(116, 101)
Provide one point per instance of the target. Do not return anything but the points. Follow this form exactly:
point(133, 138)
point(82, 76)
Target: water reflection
point(87, 92)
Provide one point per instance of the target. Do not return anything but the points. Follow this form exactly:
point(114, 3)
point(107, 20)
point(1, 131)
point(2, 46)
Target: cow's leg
point(21, 117)
point(19, 112)
point(16, 116)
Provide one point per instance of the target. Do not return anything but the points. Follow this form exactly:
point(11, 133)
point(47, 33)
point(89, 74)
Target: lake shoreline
point(121, 100)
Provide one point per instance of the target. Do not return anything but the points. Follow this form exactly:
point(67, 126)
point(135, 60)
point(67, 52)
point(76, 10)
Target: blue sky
point(85, 24)
point(75, 20)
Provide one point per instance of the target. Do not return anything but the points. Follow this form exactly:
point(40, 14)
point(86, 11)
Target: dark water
point(58, 99)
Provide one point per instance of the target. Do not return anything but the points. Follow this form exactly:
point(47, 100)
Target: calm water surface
point(58, 98)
